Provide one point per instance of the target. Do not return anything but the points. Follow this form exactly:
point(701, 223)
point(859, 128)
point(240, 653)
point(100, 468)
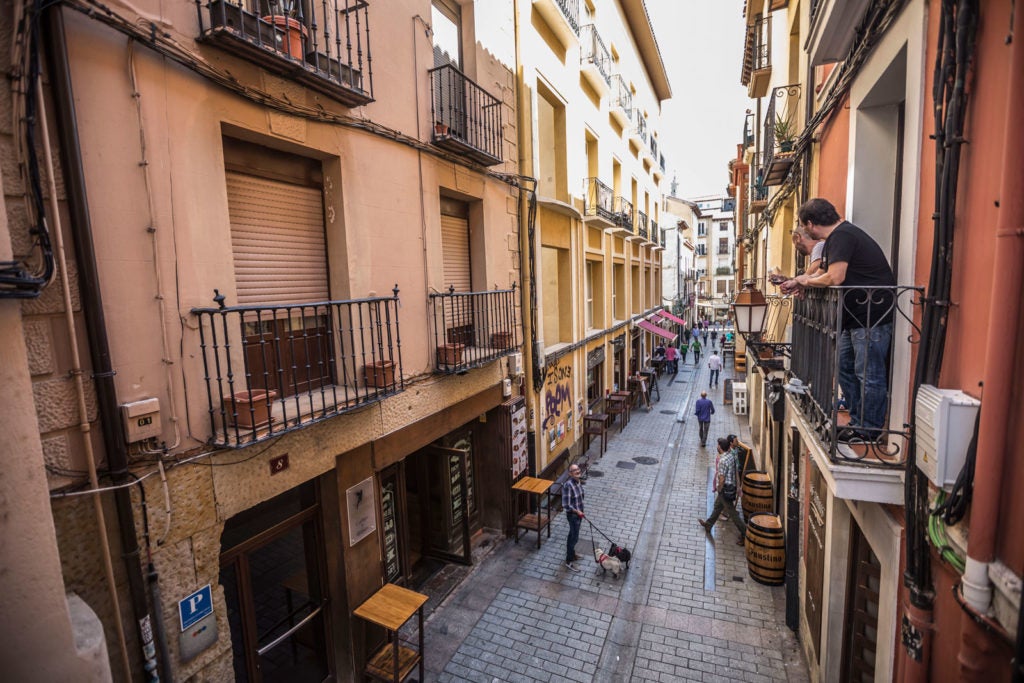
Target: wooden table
point(391, 607)
point(620, 403)
point(595, 424)
point(533, 486)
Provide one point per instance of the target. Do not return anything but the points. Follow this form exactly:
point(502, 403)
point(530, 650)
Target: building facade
point(715, 244)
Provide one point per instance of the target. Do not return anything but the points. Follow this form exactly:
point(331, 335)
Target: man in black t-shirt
point(854, 261)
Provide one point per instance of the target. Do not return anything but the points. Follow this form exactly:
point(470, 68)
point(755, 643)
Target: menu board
point(455, 480)
point(519, 456)
point(387, 503)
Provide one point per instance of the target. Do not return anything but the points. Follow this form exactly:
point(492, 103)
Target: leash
point(594, 526)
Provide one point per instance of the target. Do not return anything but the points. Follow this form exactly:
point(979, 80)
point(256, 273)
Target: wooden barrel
point(757, 494)
point(766, 550)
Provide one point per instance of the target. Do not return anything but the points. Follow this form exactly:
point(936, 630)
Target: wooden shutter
point(277, 238)
point(455, 246)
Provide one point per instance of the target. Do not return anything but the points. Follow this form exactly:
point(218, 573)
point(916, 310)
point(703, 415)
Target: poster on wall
point(519, 441)
point(557, 402)
point(362, 516)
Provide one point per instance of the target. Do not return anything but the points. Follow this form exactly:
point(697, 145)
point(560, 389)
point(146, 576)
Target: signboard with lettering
point(519, 458)
point(195, 606)
point(814, 560)
point(388, 504)
point(362, 517)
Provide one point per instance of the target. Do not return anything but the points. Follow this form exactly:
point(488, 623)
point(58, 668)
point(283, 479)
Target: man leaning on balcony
point(852, 259)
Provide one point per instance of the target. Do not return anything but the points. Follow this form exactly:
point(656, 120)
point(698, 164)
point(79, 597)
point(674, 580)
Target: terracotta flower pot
point(253, 408)
point(501, 340)
point(450, 354)
point(289, 35)
point(380, 374)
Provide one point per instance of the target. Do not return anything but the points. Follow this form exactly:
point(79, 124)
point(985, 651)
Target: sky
point(701, 43)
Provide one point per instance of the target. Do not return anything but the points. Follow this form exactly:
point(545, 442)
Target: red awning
point(665, 314)
point(654, 329)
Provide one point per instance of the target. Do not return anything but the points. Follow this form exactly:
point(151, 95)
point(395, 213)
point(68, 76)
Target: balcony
point(623, 209)
point(757, 58)
point(597, 202)
point(472, 329)
point(758, 190)
point(638, 133)
point(723, 270)
point(595, 60)
point(834, 26)
point(655, 233)
point(652, 149)
point(661, 162)
point(562, 17)
point(869, 467)
point(641, 224)
point(467, 119)
point(326, 49)
point(273, 369)
point(780, 134)
point(621, 103)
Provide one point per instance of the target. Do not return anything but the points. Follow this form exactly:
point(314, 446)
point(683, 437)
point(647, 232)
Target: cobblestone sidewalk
point(685, 610)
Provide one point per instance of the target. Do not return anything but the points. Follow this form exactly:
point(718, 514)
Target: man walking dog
point(572, 502)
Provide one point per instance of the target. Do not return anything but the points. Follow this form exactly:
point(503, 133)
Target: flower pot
point(441, 128)
point(501, 340)
point(380, 374)
point(450, 354)
point(786, 146)
point(253, 408)
point(288, 35)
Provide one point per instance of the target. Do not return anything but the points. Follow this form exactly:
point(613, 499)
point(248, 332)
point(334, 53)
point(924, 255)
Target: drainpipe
point(92, 308)
point(1001, 347)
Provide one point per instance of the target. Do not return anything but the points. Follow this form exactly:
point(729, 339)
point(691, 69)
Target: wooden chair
point(618, 406)
point(595, 425)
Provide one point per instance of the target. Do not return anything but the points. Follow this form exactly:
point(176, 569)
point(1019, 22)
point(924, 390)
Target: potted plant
point(380, 374)
point(450, 354)
point(249, 409)
point(289, 33)
point(785, 133)
point(501, 340)
point(440, 128)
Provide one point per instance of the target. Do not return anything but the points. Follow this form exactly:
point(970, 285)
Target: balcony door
point(459, 316)
point(279, 249)
point(450, 93)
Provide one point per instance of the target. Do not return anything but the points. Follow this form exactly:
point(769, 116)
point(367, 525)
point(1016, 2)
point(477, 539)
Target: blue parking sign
point(195, 606)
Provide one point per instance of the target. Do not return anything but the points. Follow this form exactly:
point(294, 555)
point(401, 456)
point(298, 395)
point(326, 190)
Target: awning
point(654, 329)
point(665, 314)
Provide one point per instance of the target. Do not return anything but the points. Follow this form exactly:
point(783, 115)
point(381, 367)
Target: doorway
point(274, 578)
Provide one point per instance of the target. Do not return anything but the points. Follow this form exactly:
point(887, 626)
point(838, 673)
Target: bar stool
point(739, 398)
point(595, 425)
point(618, 405)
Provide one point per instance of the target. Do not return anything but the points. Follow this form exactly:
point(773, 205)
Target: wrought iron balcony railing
point(661, 161)
point(641, 224)
point(594, 53)
point(826, 323)
point(473, 328)
point(322, 45)
point(623, 209)
point(597, 199)
point(571, 12)
point(273, 369)
point(640, 126)
point(622, 96)
point(655, 233)
point(780, 133)
point(467, 118)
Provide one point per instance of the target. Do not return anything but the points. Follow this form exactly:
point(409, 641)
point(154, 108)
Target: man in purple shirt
point(704, 409)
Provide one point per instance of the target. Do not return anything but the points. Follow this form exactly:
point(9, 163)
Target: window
point(702, 229)
point(723, 226)
point(588, 297)
point(619, 291)
point(720, 287)
point(723, 245)
point(594, 384)
point(702, 249)
point(445, 21)
point(558, 292)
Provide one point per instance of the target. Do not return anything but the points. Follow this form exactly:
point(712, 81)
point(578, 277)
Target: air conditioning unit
point(945, 423)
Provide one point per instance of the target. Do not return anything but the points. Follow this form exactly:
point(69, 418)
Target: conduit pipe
point(1001, 345)
point(76, 373)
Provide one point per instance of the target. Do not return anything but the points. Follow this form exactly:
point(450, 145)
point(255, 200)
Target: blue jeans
point(864, 373)
point(714, 378)
point(574, 535)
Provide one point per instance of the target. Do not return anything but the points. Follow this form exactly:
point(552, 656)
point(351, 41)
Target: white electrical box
point(141, 419)
point(515, 364)
point(945, 423)
point(506, 387)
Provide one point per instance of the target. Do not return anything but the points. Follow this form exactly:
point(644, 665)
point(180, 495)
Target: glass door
point(447, 511)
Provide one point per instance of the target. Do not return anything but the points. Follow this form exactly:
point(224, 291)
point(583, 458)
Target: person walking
point(696, 351)
point(704, 409)
point(715, 366)
point(572, 503)
point(854, 260)
point(725, 490)
point(684, 348)
point(714, 338)
point(672, 358)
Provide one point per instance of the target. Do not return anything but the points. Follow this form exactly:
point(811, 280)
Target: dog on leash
point(621, 554)
point(608, 563)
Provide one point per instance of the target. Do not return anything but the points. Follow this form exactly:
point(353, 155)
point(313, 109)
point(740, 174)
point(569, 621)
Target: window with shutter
point(458, 314)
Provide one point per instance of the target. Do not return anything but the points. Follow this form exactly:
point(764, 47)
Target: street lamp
point(750, 310)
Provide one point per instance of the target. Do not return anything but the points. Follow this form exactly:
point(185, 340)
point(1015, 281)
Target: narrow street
point(686, 609)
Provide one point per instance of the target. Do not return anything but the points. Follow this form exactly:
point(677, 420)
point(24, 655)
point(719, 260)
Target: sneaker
point(578, 557)
point(572, 566)
point(703, 523)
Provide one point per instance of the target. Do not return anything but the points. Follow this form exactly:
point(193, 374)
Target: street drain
point(738, 578)
point(595, 473)
point(645, 460)
point(623, 465)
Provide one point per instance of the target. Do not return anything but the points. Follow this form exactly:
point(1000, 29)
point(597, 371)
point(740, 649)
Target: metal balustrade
point(641, 224)
point(471, 329)
point(467, 118)
point(273, 369)
point(597, 199)
point(780, 134)
point(623, 209)
point(820, 320)
point(622, 96)
point(594, 52)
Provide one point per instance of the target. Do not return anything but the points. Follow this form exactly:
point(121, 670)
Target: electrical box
point(141, 419)
point(515, 364)
point(945, 423)
point(506, 387)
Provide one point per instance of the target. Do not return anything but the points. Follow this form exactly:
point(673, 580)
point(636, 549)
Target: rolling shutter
point(277, 238)
point(455, 247)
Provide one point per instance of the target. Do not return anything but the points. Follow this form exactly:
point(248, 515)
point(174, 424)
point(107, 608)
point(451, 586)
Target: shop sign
point(387, 504)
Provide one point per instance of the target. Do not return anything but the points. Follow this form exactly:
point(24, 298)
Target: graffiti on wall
point(558, 401)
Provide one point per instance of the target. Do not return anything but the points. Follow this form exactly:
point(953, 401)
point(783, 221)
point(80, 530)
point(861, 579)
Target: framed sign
point(362, 516)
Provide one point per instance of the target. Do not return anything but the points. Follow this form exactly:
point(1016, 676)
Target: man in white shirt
point(715, 365)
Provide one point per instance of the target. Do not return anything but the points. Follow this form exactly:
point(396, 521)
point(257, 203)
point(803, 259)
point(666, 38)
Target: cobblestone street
point(686, 609)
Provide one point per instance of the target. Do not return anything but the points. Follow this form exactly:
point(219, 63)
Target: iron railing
point(640, 126)
point(762, 54)
point(623, 209)
point(272, 369)
point(823, 321)
point(467, 118)
point(597, 199)
point(323, 45)
point(780, 133)
point(661, 161)
point(473, 328)
point(655, 233)
point(641, 224)
point(593, 51)
point(622, 96)
point(571, 12)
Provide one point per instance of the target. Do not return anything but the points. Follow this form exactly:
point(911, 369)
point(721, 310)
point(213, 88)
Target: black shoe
point(850, 435)
point(703, 523)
